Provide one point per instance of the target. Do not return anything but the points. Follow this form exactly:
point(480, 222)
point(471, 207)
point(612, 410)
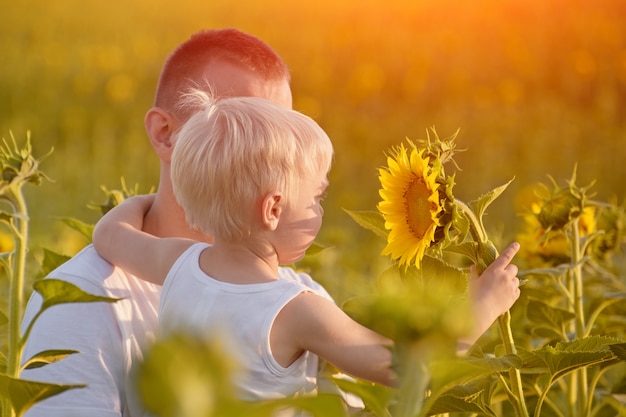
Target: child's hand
point(493, 292)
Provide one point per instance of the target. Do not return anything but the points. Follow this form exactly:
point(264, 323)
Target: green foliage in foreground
point(19, 167)
point(568, 327)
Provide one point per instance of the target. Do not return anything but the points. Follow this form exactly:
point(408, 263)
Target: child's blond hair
point(233, 152)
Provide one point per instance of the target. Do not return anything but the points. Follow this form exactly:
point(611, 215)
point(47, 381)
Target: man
point(112, 337)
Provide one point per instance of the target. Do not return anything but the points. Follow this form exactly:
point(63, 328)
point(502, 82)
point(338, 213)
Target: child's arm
point(492, 293)
point(118, 238)
point(312, 323)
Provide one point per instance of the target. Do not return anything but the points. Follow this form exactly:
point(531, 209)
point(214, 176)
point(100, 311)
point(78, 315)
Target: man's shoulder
point(88, 270)
point(85, 262)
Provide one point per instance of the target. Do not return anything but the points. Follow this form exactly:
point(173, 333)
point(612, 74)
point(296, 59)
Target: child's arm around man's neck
point(118, 238)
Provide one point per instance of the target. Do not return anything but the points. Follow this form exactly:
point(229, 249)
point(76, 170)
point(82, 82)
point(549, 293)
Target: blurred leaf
point(315, 248)
point(375, 397)
point(184, 375)
point(434, 273)
point(6, 217)
point(47, 357)
point(51, 260)
point(412, 315)
point(322, 405)
point(115, 197)
point(370, 220)
point(56, 291)
point(81, 227)
point(3, 318)
point(24, 394)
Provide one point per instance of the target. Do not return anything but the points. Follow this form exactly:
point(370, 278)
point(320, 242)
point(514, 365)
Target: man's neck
point(167, 219)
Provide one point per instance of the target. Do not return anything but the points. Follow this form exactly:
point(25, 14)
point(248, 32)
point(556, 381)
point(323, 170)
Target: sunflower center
point(418, 208)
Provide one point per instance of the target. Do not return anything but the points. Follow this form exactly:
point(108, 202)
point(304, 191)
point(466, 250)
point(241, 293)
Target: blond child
point(253, 175)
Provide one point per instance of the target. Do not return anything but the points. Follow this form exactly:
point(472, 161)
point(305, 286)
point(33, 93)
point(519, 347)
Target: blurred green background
point(536, 87)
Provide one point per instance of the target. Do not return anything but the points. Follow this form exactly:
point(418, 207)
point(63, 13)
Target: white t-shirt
point(241, 316)
point(110, 337)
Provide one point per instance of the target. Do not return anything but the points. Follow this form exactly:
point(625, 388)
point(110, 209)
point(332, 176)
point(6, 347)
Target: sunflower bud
point(612, 220)
point(560, 209)
point(562, 206)
point(113, 198)
point(18, 167)
point(441, 150)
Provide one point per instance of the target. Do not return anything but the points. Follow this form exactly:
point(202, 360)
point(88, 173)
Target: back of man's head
point(187, 66)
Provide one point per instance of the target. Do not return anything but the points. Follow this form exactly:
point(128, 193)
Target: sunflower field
point(531, 94)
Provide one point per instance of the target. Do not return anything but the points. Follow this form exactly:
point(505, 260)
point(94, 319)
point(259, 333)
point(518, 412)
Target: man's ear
point(160, 127)
point(271, 209)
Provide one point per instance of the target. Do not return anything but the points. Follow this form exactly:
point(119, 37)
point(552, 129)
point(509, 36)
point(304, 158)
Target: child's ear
point(271, 209)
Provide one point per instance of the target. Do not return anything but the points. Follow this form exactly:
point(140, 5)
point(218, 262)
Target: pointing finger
point(506, 256)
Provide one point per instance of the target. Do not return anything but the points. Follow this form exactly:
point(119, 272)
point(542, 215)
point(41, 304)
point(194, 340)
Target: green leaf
point(448, 373)
point(412, 312)
point(56, 291)
point(315, 248)
point(375, 397)
point(466, 384)
point(547, 320)
point(566, 357)
point(468, 249)
point(6, 217)
point(51, 260)
point(180, 366)
point(531, 364)
point(438, 272)
point(3, 319)
point(47, 357)
point(479, 206)
point(370, 220)
point(3, 363)
point(556, 271)
point(79, 226)
point(619, 350)
point(24, 394)
point(322, 405)
point(462, 399)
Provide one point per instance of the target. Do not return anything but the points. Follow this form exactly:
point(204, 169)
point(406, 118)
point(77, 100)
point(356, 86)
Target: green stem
point(596, 313)
point(476, 228)
point(413, 379)
point(514, 374)
point(16, 271)
point(543, 394)
point(577, 281)
point(594, 383)
point(486, 255)
point(556, 410)
point(16, 299)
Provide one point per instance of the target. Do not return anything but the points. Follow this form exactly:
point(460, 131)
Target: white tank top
point(242, 316)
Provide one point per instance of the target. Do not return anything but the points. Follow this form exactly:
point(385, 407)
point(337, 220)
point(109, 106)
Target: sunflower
point(410, 205)
point(542, 243)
